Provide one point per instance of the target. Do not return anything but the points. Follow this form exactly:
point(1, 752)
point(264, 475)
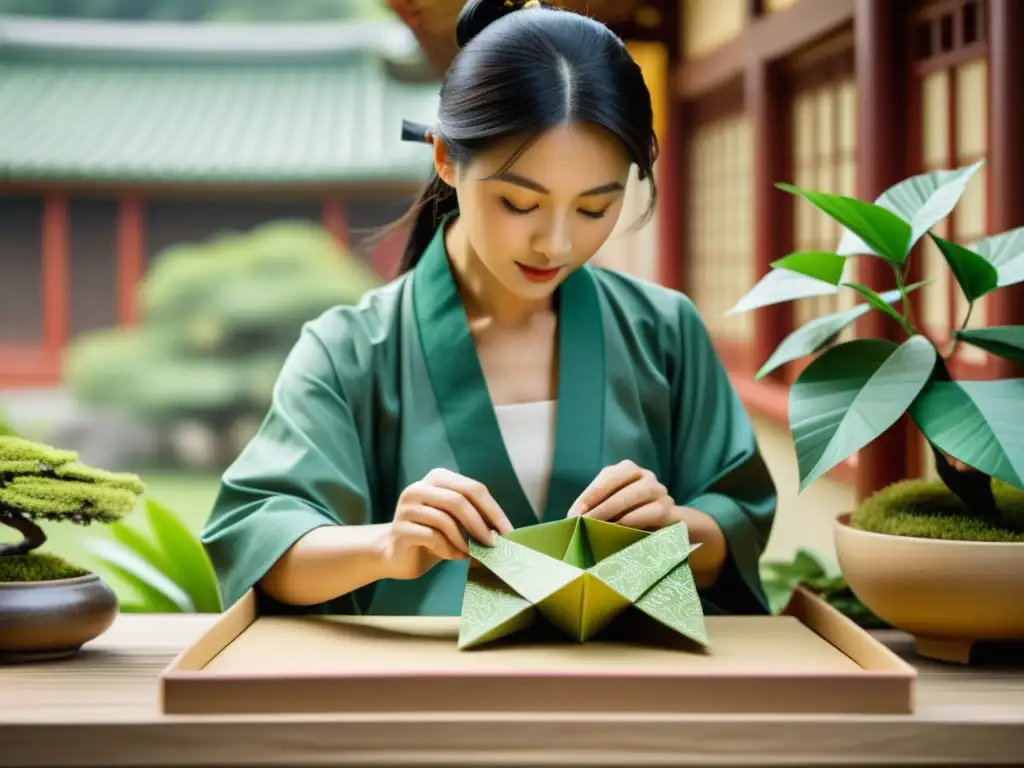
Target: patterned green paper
point(580, 575)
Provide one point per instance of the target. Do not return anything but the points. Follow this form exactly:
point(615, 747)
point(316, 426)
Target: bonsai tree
point(38, 482)
point(854, 391)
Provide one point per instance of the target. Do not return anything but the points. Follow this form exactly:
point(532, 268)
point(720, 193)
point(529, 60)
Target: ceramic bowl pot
point(947, 594)
point(43, 620)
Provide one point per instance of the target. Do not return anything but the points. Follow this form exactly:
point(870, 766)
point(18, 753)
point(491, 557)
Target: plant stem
point(904, 303)
point(955, 341)
point(34, 537)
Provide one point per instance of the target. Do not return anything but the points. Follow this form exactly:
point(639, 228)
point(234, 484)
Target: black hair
point(518, 73)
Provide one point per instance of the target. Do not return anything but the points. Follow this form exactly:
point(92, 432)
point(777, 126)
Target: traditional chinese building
point(847, 96)
point(119, 139)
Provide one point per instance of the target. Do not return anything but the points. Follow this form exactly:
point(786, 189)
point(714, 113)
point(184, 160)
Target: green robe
point(374, 396)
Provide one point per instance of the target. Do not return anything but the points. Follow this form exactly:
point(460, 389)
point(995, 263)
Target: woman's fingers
point(648, 517)
point(428, 538)
point(608, 481)
point(439, 521)
point(477, 494)
point(633, 496)
point(459, 507)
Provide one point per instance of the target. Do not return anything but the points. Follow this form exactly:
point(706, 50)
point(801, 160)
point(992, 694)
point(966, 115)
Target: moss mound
point(928, 509)
point(37, 566)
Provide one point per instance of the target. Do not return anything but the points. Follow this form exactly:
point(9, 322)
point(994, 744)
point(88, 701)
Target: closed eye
point(594, 214)
point(514, 209)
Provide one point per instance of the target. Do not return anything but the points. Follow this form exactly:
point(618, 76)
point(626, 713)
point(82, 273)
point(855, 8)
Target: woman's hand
point(629, 495)
point(429, 521)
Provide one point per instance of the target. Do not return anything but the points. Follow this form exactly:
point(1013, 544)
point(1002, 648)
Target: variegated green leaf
point(850, 395)
point(886, 233)
point(973, 273)
point(922, 201)
point(977, 422)
point(821, 265)
point(1005, 252)
point(1006, 341)
point(781, 285)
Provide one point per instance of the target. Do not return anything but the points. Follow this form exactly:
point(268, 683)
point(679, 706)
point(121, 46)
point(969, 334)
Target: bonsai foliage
point(852, 392)
point(38, 482)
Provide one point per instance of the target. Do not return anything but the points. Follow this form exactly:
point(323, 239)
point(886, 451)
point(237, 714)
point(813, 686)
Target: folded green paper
point(580, 574)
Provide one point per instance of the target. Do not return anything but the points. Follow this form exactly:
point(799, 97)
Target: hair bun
point(477, 14)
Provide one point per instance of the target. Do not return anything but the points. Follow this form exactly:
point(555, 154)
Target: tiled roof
point(152, 103)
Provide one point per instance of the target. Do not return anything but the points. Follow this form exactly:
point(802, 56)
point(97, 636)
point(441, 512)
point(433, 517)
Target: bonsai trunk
point(33, 536)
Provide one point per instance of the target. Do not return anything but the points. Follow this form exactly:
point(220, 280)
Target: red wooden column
point(672, 177)
point(1006, 153)
point(767, 106)
point(881, 137)
point(335, 218)
point(56, 306)
point(130, 257)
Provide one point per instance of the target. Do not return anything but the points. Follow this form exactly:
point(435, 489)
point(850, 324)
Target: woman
point(499, 380)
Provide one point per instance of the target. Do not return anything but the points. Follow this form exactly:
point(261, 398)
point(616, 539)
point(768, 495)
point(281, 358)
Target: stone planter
point(44, 620)
point(947, 594)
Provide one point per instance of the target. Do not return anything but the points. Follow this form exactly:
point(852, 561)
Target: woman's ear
point(442, 163)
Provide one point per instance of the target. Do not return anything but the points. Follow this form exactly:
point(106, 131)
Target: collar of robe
point(464, 402)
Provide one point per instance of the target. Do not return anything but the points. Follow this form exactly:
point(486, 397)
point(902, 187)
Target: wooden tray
point(810, 658)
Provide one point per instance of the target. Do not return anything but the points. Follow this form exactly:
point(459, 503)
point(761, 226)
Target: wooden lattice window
point(949, 110)
point(709, 24)
point(720, 224)
point(823, 136)
point(951, 84)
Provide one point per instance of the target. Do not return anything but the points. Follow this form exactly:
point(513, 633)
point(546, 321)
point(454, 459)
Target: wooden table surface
point(101, 709)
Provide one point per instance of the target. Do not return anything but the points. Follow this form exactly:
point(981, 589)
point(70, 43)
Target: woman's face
point(548, 213)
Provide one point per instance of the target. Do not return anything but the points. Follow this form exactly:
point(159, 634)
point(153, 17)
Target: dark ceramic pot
point(44, 620)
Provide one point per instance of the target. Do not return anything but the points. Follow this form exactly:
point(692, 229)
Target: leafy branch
point(853, 392)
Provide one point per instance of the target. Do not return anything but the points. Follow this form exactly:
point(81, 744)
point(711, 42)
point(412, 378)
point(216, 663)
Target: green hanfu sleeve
point(303, 469)
point(717, 467)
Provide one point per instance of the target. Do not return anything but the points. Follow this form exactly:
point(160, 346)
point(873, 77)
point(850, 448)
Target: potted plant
point(942, 560)
point(49, 607)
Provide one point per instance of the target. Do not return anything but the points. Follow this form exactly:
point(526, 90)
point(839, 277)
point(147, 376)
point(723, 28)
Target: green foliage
point(37, 566)
point(44, 483)
point(164, 565)
point(928, 509)
point(807, 569)
point(854, 391)
point(850, 394)
point(219, 319)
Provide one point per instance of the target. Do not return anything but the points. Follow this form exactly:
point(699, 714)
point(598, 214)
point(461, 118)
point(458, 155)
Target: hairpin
point(416, 132)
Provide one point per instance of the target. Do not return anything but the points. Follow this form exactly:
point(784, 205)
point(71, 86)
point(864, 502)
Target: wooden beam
point(1006, 154)
point(881, 162)
point(768, 37)
point(768, 108)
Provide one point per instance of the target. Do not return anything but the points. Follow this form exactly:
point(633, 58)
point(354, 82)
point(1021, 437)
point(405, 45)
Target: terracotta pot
point(43, 620)
point(947, 594)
